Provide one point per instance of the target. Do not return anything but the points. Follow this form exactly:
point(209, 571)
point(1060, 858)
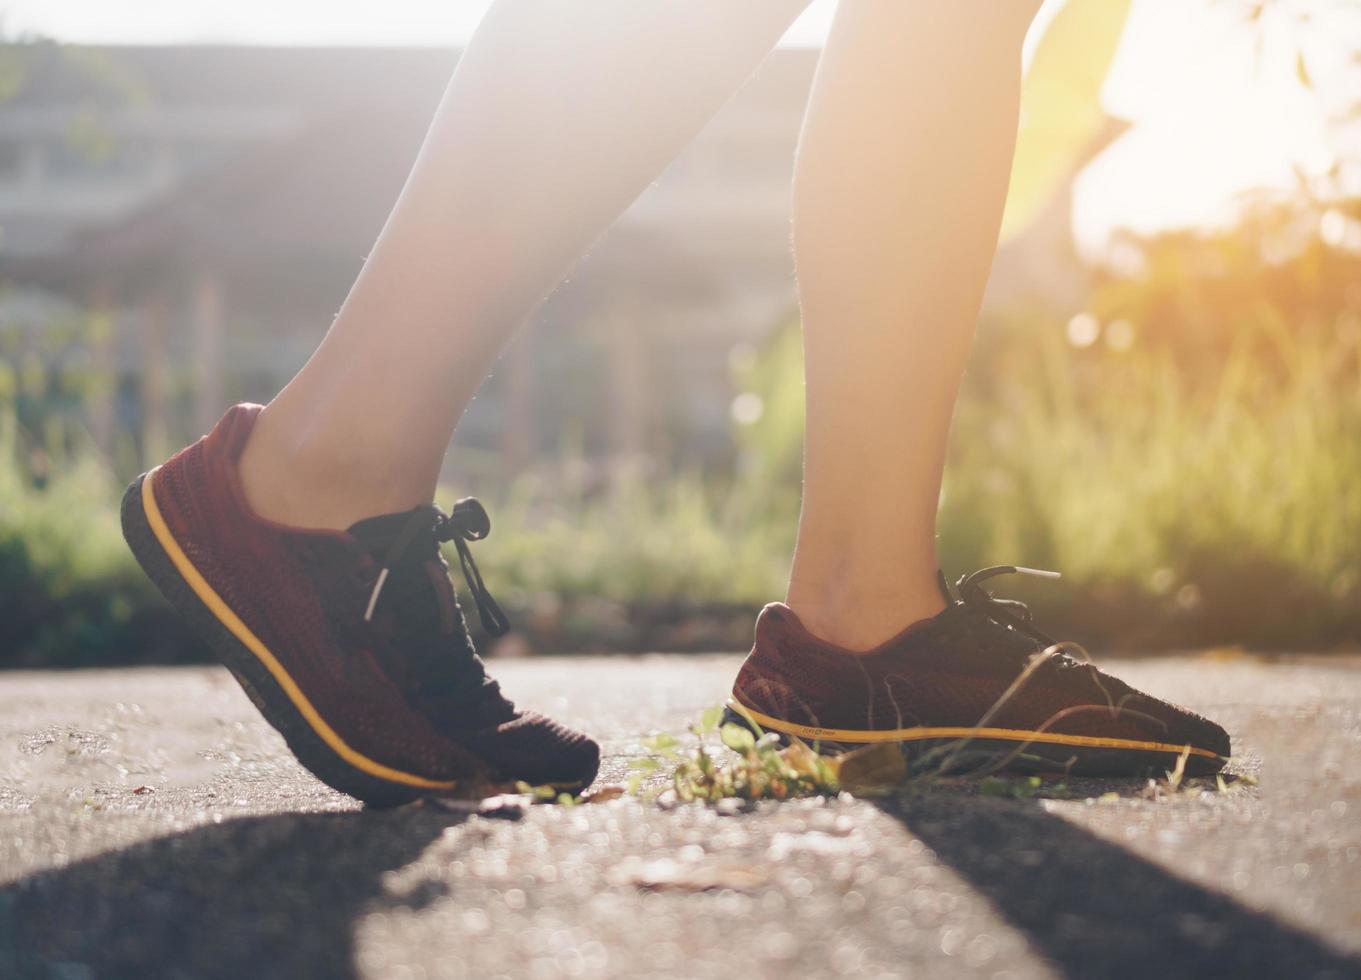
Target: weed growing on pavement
point(760, 768)
point(551, 794)
point(1175, 783)
point(1014, 789)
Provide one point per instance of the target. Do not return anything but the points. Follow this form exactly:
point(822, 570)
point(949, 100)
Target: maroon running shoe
point(288, 611)
point(975, 687)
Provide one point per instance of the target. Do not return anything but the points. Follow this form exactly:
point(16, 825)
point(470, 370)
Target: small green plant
point(547, 794)
point(1176, 783)
point(1015, 789)
point(1178, 772)
point(759, 769)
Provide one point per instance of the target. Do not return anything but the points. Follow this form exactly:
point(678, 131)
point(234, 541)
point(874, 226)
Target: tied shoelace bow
point(1003, 612)
point(467, 522)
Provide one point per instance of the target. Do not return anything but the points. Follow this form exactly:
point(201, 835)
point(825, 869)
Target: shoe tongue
point(384, 525)
point(377, 535)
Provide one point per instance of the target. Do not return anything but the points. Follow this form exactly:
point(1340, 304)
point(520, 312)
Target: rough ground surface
point(152, 825)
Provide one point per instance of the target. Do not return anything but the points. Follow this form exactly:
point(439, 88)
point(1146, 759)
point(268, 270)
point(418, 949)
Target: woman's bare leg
point(899, 185)
point(558, 115)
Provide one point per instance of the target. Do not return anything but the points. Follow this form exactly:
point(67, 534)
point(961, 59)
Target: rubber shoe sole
point(956, 750)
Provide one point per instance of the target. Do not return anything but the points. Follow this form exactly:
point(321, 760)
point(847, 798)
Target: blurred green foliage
point(70, 593)
point(1188, 453)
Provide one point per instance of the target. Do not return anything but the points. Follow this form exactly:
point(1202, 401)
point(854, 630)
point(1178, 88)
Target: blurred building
point(204, 210)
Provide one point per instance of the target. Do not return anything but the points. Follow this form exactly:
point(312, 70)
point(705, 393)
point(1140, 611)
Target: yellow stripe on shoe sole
point(242, 632)
point(811, 733)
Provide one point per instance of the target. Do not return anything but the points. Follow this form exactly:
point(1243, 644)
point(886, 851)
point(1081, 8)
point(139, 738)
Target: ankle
point(859, 620)
point(303, 479)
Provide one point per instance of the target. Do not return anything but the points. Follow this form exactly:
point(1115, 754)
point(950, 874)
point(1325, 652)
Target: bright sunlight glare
point(1212, 116)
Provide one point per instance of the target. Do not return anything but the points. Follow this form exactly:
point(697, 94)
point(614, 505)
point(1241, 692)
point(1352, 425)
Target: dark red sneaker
point(283, 609)
point(954, 691)
point(413, 603)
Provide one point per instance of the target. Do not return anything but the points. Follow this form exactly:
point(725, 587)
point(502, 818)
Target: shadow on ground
point(281, 896)
point(273, 896)
point(1095, 909)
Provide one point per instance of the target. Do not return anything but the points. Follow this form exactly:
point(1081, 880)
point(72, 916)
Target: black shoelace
point(1003, 612)
point(424, 531)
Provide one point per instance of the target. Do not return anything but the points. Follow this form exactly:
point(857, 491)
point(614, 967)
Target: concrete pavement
point(152, 825)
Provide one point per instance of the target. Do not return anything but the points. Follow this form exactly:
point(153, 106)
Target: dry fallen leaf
point(874, 767)
point(604, 794)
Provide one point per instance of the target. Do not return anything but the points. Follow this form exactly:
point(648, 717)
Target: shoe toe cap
point(1172, 724)
point(537, 750)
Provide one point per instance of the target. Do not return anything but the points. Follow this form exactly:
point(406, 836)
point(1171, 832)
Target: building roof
point(324, 140)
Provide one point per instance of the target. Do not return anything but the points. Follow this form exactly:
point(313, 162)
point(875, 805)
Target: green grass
point(70, 593)
point(1215, 509)
point(679, 542)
